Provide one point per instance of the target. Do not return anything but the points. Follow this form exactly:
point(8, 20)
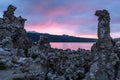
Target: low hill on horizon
point(34, 36)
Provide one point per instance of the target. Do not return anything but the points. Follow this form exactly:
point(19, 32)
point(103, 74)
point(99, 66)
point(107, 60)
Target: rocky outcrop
point(71, 65)
point(105, 42)
point(12, 30)
point(10, 18)
point(105, 60)
point(44, 43)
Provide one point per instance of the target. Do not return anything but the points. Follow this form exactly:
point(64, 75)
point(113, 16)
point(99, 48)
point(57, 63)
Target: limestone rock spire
point(12, 32)
point(104, 39)
point(10, 18)
point(9, 13)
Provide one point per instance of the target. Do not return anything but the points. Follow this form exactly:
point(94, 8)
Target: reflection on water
point(72, 45)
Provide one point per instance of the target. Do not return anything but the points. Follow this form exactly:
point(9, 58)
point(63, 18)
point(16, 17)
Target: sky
point(71, 17)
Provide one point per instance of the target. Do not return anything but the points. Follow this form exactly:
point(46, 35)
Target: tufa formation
point(105, 42)
point(12, 30)
point(105, 61)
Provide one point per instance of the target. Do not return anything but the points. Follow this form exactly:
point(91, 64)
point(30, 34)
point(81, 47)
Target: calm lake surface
point(72, 45)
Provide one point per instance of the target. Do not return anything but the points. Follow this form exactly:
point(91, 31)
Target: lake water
point(72, 45)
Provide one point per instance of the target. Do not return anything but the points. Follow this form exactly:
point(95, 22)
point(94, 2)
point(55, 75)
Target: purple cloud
point(74, 17)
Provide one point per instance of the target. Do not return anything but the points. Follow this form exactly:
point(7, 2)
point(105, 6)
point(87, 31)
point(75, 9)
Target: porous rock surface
point(104, 42)
point(105, 60)
point(22, 59)
point(12, 32)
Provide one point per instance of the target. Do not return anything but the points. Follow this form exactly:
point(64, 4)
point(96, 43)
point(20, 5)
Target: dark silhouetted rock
point(10, 13)
point(104, 60)
point(12, 32)
point(43, 43)
point(105, 41)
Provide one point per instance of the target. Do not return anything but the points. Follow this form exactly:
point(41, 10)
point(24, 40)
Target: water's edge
point(72, 45)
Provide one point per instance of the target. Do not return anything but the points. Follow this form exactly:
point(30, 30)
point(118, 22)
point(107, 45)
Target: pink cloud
point(57, 28)
point(55, 12)
point(67, 25)
point(87, 35)
point(48, 27)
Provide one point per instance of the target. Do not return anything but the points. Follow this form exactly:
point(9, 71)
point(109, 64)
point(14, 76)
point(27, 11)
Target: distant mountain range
point(58, 38)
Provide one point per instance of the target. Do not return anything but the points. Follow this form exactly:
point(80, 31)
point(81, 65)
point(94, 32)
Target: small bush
point(26, 78)
point(18, 79)
point(2, 66)
point(26, 52)
point(34, 56)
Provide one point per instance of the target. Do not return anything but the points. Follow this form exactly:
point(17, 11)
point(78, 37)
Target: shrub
point(18, 79)
point(26, 52)
point(2, 66)
point(34, 56)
